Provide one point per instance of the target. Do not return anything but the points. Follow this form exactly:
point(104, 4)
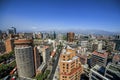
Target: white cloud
point(34, 27)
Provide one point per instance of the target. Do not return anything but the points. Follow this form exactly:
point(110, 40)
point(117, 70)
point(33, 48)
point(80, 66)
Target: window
point(67, 67)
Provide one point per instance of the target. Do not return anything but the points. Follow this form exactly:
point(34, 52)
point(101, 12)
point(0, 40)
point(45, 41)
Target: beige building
point(70, 66)
point(9, 44)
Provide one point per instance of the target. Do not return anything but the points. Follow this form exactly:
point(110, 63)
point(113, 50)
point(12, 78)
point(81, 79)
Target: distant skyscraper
point(24, 58)
point(70, 36)
point(70, 66)
point(54, 35)
point(14, 30)
point(11, 30)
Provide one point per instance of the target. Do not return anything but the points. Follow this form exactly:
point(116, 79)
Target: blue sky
point(37, 15)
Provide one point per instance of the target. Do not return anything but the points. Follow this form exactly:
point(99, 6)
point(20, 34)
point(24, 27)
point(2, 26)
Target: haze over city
point(60, 15)
point(59, 39)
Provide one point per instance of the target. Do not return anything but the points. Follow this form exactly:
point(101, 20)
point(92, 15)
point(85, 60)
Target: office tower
point(11, 30)
point(70, 36)
point(9, 44)
point(54, 35)
point(113, 71)
point(99, 57)
point(14, 30)
point(97, 73)
point(36, 58)
point(24, 58)
point(70, 66)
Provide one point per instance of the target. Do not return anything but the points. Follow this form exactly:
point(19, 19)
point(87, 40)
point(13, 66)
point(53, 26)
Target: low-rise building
point(113, 71)
point(97, 73)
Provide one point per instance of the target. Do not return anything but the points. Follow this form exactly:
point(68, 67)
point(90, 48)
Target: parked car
point(7, 77)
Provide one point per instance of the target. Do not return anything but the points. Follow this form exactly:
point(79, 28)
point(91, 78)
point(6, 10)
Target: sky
point(38, 15)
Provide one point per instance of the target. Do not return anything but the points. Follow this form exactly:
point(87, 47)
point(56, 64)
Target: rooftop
point(68, 47)
point(23, 41)
point(100, 53)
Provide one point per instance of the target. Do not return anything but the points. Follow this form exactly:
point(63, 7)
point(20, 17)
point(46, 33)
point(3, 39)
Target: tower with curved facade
point(24, 58)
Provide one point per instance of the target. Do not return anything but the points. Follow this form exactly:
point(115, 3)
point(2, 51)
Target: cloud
point(34, 27)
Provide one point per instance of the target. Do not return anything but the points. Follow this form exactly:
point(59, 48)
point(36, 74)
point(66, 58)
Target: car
point(13, 78)
point(7, 77)
point(56, 77)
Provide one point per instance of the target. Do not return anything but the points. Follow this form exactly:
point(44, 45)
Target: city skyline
point(61, 15)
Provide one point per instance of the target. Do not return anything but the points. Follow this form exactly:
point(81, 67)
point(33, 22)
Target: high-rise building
point(54, 35)
point(70, 66)
point(24, 58)
point(14, 30)
point(9, 44)
point(70, 36)
point(11, 30)
point(99, 57)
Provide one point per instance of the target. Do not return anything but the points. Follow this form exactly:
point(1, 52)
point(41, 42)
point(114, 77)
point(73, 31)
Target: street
point(54, 66)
